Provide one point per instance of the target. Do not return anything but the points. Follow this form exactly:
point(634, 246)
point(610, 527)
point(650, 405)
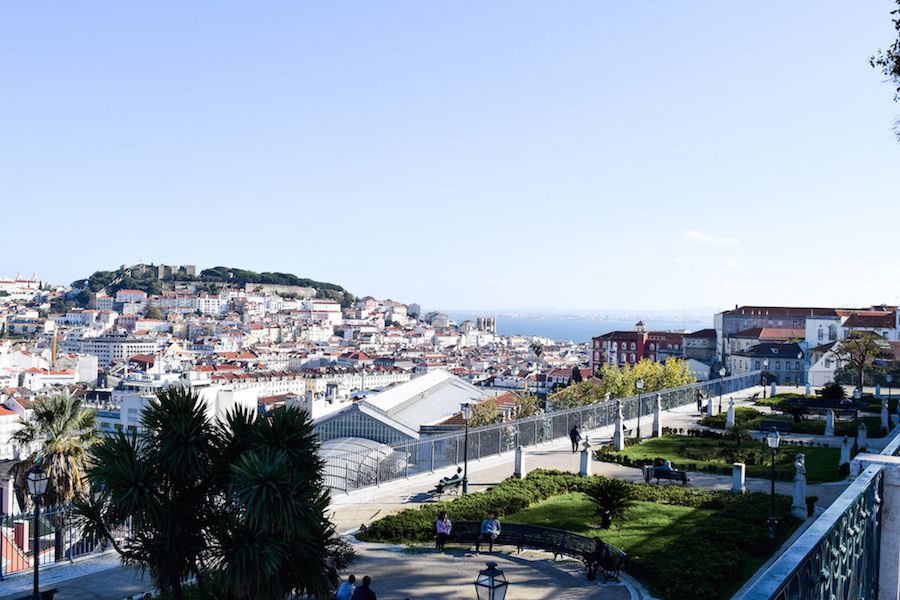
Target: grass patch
point(716, 455)
point(752, 418)
point(670, 547)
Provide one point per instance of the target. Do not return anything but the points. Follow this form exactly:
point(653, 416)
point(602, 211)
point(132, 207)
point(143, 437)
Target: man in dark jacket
point(364, 592)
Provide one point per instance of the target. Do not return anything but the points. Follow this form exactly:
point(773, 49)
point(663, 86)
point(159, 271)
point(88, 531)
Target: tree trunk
point(862, 376)
point(177, 592)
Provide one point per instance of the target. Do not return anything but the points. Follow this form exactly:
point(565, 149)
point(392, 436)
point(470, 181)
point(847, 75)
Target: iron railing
point(837, 557)
point(352, 470)
point(60, 540)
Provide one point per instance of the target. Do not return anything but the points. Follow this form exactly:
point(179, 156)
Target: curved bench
point(559, 542)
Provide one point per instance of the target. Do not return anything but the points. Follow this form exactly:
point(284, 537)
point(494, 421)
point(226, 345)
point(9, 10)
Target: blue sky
point(583, 155)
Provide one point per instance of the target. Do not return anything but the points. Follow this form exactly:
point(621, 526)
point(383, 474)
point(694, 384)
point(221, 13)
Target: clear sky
point(462, 154)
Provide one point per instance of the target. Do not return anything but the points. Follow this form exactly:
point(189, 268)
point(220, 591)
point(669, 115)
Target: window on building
point(633, 346)
point(777, 365)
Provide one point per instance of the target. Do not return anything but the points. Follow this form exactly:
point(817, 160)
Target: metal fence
point(59, 539)
point(359, 469)
point(837, 557)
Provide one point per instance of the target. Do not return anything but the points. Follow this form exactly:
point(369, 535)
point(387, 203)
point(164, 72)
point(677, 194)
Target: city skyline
point(587, 158)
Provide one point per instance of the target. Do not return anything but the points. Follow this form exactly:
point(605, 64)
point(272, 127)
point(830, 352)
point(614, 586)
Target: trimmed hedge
point(512, 495)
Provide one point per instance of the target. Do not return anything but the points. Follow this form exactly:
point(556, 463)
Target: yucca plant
point(611, 497)
point(237, 504)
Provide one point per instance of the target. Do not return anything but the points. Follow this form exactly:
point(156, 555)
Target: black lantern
point(491, 583)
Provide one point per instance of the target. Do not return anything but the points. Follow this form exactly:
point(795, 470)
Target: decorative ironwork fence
point(345, 472)
point(59, 539)
point(837, 557)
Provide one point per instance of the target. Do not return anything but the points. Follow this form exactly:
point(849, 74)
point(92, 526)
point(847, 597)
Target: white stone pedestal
point(520, 462)
point(808, 389)
point(709, 406)
point(585, 469)
point(729, 418)
point(878, 390)
point(885, 415)
point(829, 422)
point(798, 506)
point(862, 438)
point(772, 391)
point(845, 452)
point(619, 431)
point(657, 417)
point(738, 474)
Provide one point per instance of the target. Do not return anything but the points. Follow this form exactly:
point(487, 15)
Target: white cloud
point(713, 240)
point(732, 264)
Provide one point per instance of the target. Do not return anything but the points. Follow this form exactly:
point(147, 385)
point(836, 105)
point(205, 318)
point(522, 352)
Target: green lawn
point(716, 455)
point(810, 426)
point(676, 551)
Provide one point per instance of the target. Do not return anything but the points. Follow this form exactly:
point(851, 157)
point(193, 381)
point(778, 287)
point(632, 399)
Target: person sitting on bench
point(456, 477)
point(663, 466)
point(594, 559)
point(490, 529)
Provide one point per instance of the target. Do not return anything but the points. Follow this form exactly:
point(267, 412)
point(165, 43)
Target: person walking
point(364, 592)
point(575, 436)
point(442, 529)
point(345, 590)
point(699, 402)
point(490, 530)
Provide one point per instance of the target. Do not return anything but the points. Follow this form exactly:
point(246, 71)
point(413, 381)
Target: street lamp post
point(773, 439)
point(639, 384)
point(37, 486)
point(722, 372)
point(765, 377)
point(491, 583)
point(466, 410)
point(799, 368)
point(890, 379)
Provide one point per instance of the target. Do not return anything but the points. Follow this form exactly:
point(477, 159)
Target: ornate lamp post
point(772, 440)
point(491, 583)
point(639, 384)
point(37, 486)
point(765, 375)
point(799, 368)
point(722, 372)
point(466, 409)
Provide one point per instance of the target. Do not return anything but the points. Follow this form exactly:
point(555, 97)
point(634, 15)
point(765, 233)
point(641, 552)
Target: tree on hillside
point(888, 61)
point(576, 375)
point(619, 382)
point(239, 504)
point(538, 349)
point(154, 313)
point(860, 350)
point(58, 436)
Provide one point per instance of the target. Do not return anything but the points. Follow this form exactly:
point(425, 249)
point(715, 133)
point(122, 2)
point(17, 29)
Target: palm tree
point(237, 503)
point(58, 437)
point(538, 349)
point(611, 497)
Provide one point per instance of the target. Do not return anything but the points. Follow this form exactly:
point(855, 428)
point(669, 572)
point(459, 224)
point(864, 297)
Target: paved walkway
point(398, 573)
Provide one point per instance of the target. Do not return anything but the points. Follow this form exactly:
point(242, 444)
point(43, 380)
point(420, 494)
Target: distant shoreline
point(579, 329)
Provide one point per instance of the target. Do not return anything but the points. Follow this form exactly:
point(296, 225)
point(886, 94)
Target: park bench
point(754, 396)
point(556, 541)
point(444, 486)
point(651, 472)
point(779, 426)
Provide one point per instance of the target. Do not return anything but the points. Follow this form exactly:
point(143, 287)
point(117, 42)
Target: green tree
point(538, 349)
point(154, 313)
point(60, 431)
point(57, 437)
point(238, 503)
point(576, 375)
point(611, 497)
point(860, 350)
point(527, 404)
point(888, 61)
point(484, 413)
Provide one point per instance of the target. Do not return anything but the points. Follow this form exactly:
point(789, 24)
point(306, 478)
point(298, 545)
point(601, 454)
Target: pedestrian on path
point(699, 402)
point(575, 436)
point(345, 591)
point(364, 592)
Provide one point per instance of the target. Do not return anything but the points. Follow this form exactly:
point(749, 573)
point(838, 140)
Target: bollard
point(585, 470)
point(738, 474)
point(729, 418)
point(829, 422)
point(798, 506)
point(520, 463)
point(845, 452)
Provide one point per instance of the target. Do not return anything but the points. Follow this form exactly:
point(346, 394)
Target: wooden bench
point(559, 542)
point(779, 426)
point(671, 475)
point(444, 486)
